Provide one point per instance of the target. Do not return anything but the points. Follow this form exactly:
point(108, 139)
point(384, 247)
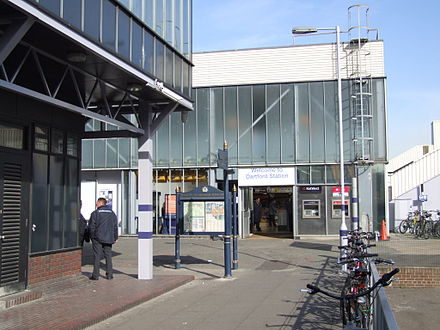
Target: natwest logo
point(310, 189)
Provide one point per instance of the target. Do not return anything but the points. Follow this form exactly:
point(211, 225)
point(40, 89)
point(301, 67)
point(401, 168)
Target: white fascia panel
point(278, 65)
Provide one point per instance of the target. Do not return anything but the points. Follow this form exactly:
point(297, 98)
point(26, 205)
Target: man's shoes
point(93, 278)
point(109, 277)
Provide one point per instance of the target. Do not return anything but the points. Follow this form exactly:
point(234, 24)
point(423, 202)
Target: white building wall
point(281, 64)
point(414, 174)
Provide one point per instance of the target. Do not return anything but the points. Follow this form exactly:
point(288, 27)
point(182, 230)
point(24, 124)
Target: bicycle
point(354, 302)
point(409, 223)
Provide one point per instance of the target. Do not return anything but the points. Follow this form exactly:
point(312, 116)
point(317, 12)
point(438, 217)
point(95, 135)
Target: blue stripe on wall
point(145, 207)
point(145, 234)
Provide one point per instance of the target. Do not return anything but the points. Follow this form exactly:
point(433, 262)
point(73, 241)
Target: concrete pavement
point(263, 293)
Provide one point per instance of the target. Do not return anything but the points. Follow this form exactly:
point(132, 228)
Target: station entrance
point(276, 211)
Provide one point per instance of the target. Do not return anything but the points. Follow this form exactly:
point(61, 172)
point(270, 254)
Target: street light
point(343, 230)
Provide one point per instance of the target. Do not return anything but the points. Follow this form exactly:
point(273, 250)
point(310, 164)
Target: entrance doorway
point(14, 215)
point(277, 215)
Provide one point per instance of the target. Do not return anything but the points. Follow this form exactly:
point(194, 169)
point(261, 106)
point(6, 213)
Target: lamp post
point(343, 230)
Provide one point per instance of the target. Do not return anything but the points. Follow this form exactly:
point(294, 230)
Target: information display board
point(203, 216)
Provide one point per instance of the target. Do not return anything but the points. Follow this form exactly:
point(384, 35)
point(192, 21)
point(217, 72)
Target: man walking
point(103, 226)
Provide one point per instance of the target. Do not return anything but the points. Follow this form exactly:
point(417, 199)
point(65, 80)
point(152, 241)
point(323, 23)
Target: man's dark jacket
point(103, 225)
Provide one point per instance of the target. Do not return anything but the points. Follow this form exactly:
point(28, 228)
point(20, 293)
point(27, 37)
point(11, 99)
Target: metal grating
point(10, 244)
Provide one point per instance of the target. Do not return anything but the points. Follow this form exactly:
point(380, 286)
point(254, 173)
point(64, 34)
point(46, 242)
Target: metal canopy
point(34, 61)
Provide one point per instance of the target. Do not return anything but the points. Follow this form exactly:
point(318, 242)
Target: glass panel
point(273, 124)
point(190, 139)
point(124, 153)
point(203, 126)
point(245, 124)
point(112, 153)
point(176, 140)
point(317, 122)
point(333, 173)
point(318, 175)
point(216, 122)
point(92, 16)
point(87, 154)
point(72, 204)
point(259, 129)
point(123, 34)
point(136, 44)
point(56, 202)
point(148, 13)
point(186, 27)
point(134, 153)
point(125, 3)
point(169, 66)
point(178, 73)
point(379, 117)
point(11, 137)
point(41, 138)
point(287, 124)
point(163, 142)
point(72, 12)
point(177, 26)
point(303, 174)
point(159, 70)
point(185, 77)
point(136, 8)
point(39, 203)
point(57, 141)
point(346, 118)
point(331, 121)
point(159, 18)
point(72, 145)
point(231, 123)
point(99, 153)
point(303, 123)
point(169, 22)
point(202, 177)
point(108, 24)
point(148, 52)
point(52, 5)
point(378, 186)
point(190, 180)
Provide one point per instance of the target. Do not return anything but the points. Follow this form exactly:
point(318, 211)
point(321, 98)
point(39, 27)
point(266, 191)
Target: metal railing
point(383, 317)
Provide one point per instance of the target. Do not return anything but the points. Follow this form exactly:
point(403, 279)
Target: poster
point(194, 216)
point(203, 217)
point(215, 216)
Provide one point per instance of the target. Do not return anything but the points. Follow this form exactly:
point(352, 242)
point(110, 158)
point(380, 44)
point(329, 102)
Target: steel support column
point(145, 198)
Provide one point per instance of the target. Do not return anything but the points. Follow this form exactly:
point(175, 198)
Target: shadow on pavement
point(318, 311)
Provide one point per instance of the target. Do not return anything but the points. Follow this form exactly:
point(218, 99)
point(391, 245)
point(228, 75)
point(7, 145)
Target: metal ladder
point(360, 82)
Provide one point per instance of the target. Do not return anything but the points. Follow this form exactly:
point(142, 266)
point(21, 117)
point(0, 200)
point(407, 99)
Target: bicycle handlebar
point(385, 280)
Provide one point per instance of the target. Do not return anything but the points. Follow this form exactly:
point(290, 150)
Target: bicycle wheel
point(403, 226)
point(428, 229)
point(364, 311)
point(345, 304)
point(418, 230)
point(437, 229)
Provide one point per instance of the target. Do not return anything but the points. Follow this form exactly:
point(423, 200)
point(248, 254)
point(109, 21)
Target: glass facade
point(292, 124)
point(108, 153)
point(55, 189)
point(154, 35)
point(267, 125)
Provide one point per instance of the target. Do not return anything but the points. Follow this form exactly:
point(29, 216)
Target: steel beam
point(67, 106)
point(13, 35)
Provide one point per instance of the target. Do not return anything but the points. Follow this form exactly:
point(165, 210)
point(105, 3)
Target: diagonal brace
point(12, 36)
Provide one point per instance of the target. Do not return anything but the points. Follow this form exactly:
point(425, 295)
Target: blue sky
point(410, 30)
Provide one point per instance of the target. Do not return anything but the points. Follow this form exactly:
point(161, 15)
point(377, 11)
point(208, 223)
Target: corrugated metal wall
point(281, 64)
